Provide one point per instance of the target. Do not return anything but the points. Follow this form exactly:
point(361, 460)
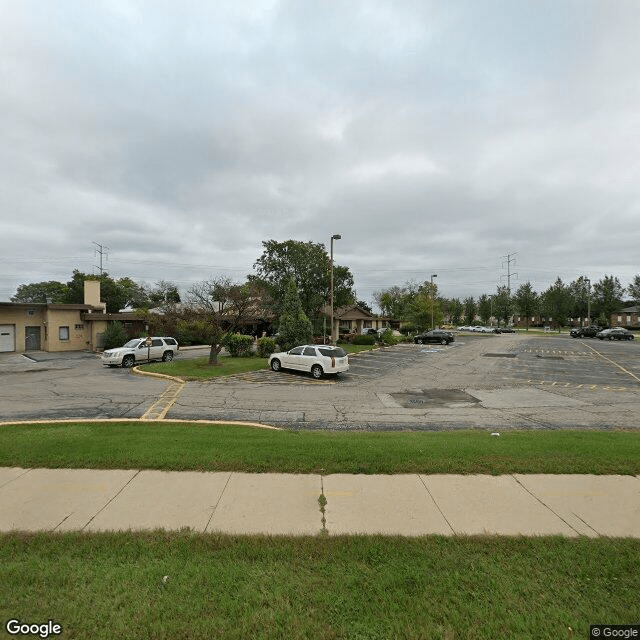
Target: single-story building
point(353, 319)
point(47, 326)
point(627, 318)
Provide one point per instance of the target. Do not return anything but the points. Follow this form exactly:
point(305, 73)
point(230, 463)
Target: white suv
point(138, 350)
point(316, 359)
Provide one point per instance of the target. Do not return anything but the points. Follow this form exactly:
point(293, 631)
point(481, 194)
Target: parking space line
point(614, 363)
point(571, 385)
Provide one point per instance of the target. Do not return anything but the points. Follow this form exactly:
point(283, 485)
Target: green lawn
point(187, 446)
point(199, 368)
point(182, 585)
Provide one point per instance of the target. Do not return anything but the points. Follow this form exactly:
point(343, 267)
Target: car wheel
point(167, 356)
point(128, 361)
point(316, 371)
point(444, 341)
point(418, 341)
point(610, 337)
point(275, 364)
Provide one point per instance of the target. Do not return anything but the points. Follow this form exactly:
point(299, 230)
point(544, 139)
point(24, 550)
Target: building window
point(79, 327)
point(63, 334)
point(31, 312)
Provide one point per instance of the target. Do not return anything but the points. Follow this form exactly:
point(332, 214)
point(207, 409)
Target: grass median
point(206, 447)
point(184, 585)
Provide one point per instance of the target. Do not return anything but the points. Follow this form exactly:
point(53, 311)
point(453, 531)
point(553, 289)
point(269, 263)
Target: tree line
point(559, 302)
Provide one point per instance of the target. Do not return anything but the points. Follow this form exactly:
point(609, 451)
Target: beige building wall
point(66, 331)
point(21, 317)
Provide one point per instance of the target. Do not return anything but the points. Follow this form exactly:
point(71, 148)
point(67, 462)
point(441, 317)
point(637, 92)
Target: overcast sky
point(435, 137)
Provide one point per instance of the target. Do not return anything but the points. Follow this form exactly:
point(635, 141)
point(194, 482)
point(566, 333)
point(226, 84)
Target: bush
point(237, 345)
point(409, 328)
point(193, 331)
point(114, 336)
point(266, 346)
point(364, 340)
point(388, 338)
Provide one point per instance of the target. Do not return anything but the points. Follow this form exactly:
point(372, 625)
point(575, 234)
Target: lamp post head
point(337, 236)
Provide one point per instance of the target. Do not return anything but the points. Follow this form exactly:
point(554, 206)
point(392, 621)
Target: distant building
point(627, 318)
point(54, 327)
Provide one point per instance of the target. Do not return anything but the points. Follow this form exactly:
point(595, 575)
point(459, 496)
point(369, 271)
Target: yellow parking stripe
point(159, 409)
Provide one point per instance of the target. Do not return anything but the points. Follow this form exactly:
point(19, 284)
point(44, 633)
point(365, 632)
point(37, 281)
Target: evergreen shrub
point(114, 335)
point(237, 345)
point(266, 346)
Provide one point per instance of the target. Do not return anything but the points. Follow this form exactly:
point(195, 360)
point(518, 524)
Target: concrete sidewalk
point(240, 503)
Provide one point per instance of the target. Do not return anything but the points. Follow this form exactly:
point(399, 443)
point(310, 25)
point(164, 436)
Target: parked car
point(585, 332)
point(617, 333)
point(504, 330)
point(437, 335)
point(318, 360)
point(137, 350)
point(370, 332)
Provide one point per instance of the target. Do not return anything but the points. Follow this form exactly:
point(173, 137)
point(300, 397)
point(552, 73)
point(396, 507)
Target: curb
point(231, 423)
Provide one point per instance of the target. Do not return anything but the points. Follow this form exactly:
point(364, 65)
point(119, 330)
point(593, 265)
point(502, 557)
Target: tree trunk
point(213, 355)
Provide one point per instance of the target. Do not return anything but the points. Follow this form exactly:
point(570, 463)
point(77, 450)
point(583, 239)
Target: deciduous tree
point(607, 296)
point(224, 304)
point(41, 292)
point(527, 302)
point(469, 310)
point(502, 305)
point(557, 302)
point(308, 263)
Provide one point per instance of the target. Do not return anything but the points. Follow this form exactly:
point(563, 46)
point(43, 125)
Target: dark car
point(617, 333)
point(586, 332)
point(504, 330)
point(437, 335)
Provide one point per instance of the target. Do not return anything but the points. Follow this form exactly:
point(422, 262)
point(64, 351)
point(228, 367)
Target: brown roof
point(350, 312)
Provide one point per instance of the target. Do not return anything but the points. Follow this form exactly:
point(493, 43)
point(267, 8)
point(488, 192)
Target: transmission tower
point(509, 259)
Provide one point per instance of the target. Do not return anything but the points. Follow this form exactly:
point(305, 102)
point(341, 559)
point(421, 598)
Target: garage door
point(7, 337)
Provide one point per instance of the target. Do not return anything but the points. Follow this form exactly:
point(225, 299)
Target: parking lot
point(494, 382)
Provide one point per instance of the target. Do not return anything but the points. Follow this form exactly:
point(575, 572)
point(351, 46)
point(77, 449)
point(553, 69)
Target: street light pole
point(589, 301)
point(433, 275)
point(336, 236)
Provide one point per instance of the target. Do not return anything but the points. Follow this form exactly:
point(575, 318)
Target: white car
point(137, 350)
point(316, 359)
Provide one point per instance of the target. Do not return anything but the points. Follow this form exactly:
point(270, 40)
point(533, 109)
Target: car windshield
point(131, 344)
point(337, 352)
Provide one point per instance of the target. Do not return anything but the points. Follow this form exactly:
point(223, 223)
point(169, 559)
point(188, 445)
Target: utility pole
point(336, 236)
point(101, 250)
point(433, 275)
point(510, 259)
